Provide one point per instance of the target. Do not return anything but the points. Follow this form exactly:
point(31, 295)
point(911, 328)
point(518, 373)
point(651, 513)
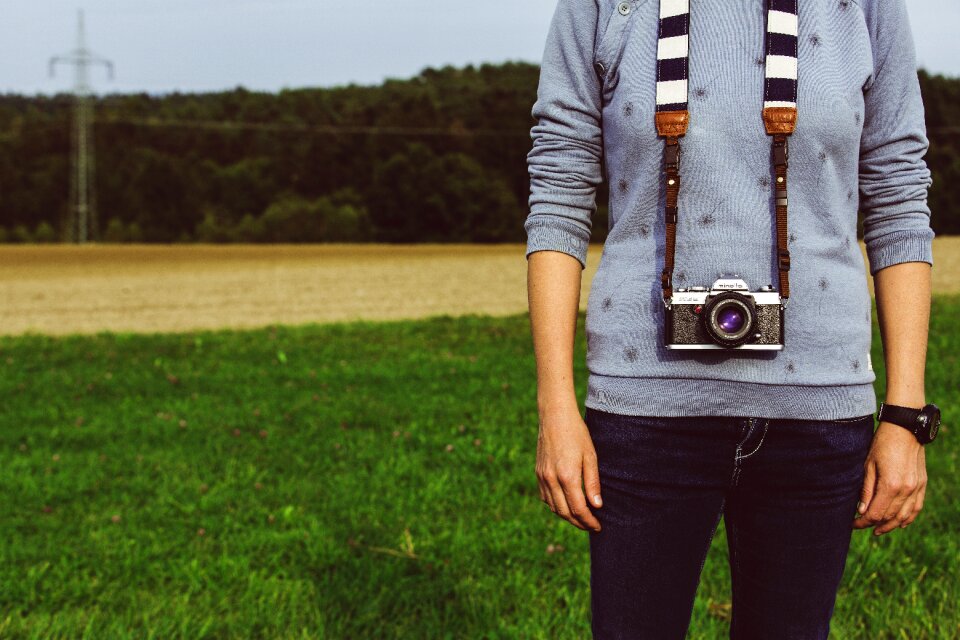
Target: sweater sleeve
point(565, 161)
point(894, 177)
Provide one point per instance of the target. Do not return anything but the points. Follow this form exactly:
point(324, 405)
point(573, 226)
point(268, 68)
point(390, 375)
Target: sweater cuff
point(549, 233)
point(914, 245)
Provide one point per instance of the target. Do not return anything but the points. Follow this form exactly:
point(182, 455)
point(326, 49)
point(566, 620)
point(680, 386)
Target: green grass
point(372, 480)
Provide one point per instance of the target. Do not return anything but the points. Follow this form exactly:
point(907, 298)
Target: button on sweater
point(858, 145)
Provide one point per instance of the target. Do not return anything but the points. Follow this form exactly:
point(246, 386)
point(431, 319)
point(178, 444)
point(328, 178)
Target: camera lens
point(729, 319)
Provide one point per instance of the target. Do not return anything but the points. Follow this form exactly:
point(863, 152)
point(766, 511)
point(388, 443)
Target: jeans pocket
point(849, 436)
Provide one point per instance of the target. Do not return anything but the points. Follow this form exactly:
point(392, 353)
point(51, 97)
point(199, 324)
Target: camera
point(728, 316)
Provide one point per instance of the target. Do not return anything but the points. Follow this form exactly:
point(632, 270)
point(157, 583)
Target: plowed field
point(59, 289)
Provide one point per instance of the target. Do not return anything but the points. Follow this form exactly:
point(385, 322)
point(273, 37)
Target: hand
point(565, 455)
point(895, 480)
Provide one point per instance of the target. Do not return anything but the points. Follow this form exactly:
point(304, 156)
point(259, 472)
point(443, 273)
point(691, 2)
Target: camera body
point(727, 316)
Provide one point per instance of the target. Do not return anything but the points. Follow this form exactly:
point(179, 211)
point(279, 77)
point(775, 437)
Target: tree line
point(440, 157)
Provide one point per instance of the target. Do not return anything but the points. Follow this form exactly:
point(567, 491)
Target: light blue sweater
point(859, 143)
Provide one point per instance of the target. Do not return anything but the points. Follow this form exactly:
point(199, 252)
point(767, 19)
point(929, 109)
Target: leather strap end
point(780, 119)
point(672, 123)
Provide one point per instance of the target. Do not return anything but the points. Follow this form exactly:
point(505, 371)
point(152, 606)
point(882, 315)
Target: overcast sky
point(204, 45)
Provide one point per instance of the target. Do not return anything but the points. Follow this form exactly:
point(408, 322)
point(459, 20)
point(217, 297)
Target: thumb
point(591, 479)
point(869, 484)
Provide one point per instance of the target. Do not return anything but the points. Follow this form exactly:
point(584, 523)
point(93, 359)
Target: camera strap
point(779, 114)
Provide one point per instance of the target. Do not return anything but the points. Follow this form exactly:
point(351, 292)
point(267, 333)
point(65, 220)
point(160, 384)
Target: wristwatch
point(923, 423)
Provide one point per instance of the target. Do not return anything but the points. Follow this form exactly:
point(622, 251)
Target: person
point(780, 441)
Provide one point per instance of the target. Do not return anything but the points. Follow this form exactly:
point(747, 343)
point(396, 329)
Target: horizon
point(276, 91)
point(344, 85)
point(165, 47)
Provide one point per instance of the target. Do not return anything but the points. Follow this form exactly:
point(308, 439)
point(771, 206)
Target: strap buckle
point(781, 150)
point(783, 259)
point(665, 278)
point(671, 154)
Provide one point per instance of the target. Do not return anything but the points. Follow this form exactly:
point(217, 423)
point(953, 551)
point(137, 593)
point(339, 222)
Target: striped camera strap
point(779, 113)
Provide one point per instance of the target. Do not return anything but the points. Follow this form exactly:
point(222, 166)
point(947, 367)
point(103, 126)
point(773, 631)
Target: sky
point(160, 46)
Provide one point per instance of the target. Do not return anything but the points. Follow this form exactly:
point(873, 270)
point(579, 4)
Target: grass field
point(368, 480)
point(64, 289)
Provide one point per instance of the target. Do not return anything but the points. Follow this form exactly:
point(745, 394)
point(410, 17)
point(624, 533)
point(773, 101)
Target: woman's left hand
point(895, 481)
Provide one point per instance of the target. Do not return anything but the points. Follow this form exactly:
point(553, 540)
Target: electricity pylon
point(82, 216)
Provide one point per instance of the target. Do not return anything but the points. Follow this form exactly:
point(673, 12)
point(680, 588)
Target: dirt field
point(59, 289)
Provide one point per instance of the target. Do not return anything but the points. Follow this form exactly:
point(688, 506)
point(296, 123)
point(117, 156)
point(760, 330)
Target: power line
point(82, 218)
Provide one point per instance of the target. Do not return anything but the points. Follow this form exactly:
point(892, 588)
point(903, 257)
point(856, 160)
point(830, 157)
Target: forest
point(439, 157)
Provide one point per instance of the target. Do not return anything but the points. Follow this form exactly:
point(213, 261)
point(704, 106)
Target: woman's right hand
point(565, 458)
point(565, 452)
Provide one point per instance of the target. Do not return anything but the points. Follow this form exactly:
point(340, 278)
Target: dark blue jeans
point(787, 491)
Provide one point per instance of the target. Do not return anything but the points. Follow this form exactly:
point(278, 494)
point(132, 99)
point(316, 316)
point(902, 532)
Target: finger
point(866, 495)
point(918, 500)
point(921, 496)
point(888, 519)
point(560, 500)
point(591, 478)
point(545, 497)
point(898, 491)
point(548, 492)
point(922, 490)
point(884, 494)
point(541, 488)
point(917, 504)
point(577, 503)
point(896, 520)
point(906, 513)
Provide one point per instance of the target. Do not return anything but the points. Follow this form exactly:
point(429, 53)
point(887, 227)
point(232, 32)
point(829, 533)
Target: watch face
point(929, 420)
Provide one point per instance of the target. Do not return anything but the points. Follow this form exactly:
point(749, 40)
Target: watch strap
point(903, 416)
